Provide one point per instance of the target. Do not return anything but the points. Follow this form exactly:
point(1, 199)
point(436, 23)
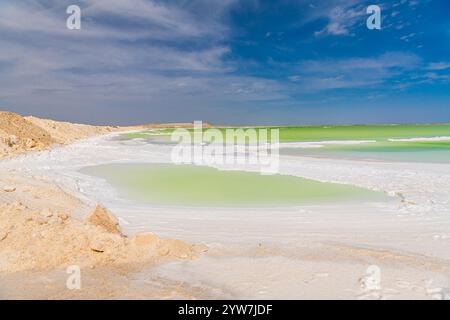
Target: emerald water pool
point(205, 186)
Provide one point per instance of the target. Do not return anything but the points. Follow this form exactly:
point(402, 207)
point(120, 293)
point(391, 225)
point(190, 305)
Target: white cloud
point(294, 78)
point(161, 55)
point(342, 17)
point(355, 72)
point(157, 52)
point(438, 66)
point(435, 76)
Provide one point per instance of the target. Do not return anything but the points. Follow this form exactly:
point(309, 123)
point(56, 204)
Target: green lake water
point(323, 133)
point(411, 151)
point(204, 186)
point(381, 149)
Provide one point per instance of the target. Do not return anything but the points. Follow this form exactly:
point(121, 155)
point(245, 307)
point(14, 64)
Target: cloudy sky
point(226, 61)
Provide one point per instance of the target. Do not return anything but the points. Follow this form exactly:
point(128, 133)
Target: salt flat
point(310, 251)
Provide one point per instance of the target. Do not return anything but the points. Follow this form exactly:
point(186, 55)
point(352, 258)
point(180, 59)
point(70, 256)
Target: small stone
point(9, 189)
point(96, 247)
point(3, 235)
point(30, 143)
point(104, 242)
point(11, 141)
point(163, 251)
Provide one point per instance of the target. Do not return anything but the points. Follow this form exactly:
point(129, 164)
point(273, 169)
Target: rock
point(101, 217)
point(97, 246)
point(30, 143)
point(9, 189)
point(3, 235)
point(11, 141)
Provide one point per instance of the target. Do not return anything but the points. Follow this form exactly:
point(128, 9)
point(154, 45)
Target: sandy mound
point(18, 135)
point(65, 132)
point(33, 239)
point(21, 134)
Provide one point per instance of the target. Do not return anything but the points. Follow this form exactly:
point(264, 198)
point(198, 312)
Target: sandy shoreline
point(307, 252)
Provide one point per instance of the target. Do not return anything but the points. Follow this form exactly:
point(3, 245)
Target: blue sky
point(227, 61)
